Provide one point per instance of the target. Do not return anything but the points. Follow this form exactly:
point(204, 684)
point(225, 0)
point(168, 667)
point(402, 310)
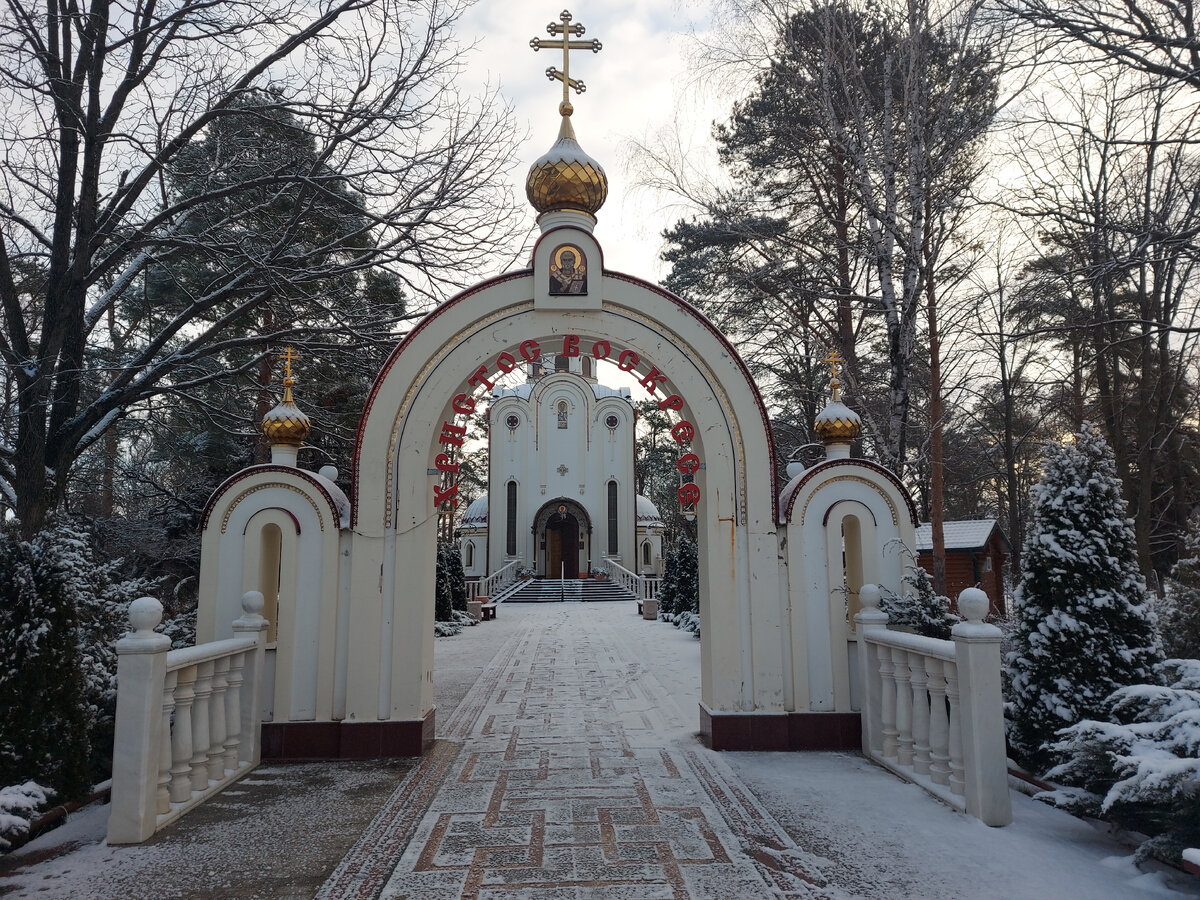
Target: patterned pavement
point(568, 772)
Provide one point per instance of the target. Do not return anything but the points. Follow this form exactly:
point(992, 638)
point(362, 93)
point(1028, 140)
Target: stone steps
point(571, 590)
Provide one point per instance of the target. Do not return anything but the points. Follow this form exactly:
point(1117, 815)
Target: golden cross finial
point(288, 356)
point(833, 359)
point(566, 29)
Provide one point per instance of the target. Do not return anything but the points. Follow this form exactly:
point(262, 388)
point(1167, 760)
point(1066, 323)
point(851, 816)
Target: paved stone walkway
point(568, 771)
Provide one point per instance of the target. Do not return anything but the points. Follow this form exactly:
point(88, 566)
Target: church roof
point(647, 512)
point(476, 515)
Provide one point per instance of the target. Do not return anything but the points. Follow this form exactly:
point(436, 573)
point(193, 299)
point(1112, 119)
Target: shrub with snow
point(1082, 624)
point(1180, 615)
point(61, 611)
point(1139, 767)
point(19, 804)
point(918, 608)
point(680, 588)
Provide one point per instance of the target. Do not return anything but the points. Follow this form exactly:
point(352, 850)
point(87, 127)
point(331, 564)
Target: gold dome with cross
point(837, 423)
point(565, 177)
point(285, 423)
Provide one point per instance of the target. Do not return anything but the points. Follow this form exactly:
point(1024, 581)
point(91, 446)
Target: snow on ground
point(276, 833)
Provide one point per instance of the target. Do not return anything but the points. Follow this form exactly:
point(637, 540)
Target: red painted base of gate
point(780, 731)
point(347, 740)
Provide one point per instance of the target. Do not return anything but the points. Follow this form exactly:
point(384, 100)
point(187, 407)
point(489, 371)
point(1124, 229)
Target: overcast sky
point(636, 85)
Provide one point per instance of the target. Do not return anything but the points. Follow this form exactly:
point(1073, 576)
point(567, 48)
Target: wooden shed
point(976, 551)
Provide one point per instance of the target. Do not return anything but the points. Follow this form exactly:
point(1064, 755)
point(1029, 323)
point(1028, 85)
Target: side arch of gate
point(746, 655)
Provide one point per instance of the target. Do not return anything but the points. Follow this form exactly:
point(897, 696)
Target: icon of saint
point(568, 272)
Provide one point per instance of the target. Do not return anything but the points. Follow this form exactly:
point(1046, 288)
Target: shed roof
point(964, 534)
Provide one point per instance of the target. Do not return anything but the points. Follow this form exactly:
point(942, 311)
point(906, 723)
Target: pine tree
point(668, 592)
point(919, 607)
point(43, 712)
point(457, 577)
point(1181, 613)
point(688, 575)
point(1084, 626)
point(443, 603)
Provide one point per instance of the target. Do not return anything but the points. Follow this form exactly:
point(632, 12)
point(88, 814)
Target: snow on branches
point(1084, 626)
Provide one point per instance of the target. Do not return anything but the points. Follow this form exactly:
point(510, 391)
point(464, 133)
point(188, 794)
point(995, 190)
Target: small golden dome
point(566, 177)
point(286, 424)
point(837, 423)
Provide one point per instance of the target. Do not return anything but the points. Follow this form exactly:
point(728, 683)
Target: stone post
point(981, 712)
point(137, 742)
point(650, 609)
point(870, 619)
point(475, 607)
point(252, 624)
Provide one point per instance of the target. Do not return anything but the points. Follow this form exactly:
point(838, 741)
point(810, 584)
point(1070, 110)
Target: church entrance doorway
point(563, 533)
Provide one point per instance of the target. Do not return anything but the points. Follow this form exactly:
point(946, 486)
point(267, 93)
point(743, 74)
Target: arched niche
point(743, 650)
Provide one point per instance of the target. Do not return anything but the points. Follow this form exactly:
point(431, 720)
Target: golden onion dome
point(565, 177)
point(286, 424)
point(837, 423)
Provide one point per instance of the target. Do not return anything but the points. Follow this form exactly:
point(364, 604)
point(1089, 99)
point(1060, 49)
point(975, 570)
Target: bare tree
point(99, 104)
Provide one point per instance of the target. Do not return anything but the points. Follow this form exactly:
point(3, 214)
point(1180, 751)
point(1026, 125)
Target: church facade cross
point(564, 43)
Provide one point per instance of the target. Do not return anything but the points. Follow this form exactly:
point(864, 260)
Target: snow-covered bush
point(1139, 767)
point(458, 620)
point(1083, 625)
point(688, 621)
point(1180, 612)
point(19, 804)
point(680, 588)
point(918, 608)
point(60, 613)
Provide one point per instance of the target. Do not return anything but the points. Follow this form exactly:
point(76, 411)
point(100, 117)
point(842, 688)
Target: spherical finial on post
point(252, 603)
point(565, 108)
point(869, 596)
point(973, 605)
point(145, 613)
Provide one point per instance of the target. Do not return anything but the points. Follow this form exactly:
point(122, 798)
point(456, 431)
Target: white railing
point(187, 722)
point(490, 586)
point(641, 586)
point(932, 710)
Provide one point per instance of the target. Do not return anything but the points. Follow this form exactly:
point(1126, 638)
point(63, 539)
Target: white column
point(252, 624)
point(985, 763)
point(137, 744)
point(181, 737)
point(919, 678)
point(870, 621)
point(939, 725)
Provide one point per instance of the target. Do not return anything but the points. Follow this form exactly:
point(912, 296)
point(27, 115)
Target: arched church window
point(646, 553)
point(562, 364)
point(469, 555)
point(510, 540)
point(585, 366)
point(612, 517)
point(562, 413)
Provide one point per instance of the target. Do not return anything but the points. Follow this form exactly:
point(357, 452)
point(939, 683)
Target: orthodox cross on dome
point(567, 30)
point(288, 356)
point(834, 384)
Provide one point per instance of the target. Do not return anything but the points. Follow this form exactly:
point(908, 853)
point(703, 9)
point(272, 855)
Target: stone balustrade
point(932, 710)
point(494, 583)
point(187, 722)
point(641, 586)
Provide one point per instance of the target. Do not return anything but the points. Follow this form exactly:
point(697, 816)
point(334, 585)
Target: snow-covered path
point(572, 768)
point(568, 765)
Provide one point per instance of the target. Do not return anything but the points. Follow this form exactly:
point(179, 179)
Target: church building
point(561, 479)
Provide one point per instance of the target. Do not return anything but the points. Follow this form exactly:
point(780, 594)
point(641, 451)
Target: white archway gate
point(449, 360)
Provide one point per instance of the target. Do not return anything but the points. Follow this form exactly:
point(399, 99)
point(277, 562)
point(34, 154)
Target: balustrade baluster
point(200, 726)
point(957, 784)
point(216, 725)
point(939, 725)
point(904, 743)
point(887, 674)
point(919, 678)
point(181, 736)
point(233, 710)
point(164, 746)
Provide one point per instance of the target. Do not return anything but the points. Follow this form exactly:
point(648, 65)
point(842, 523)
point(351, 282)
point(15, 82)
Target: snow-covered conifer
point(1083, 626)
point(1140, 767)
point(1181, 613)
point(668, 591)
point(443, 603)
point(919, 608)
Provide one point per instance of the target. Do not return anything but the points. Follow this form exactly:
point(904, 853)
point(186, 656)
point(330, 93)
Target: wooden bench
point(488, 610)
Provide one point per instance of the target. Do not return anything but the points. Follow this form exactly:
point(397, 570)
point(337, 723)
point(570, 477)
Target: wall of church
point(556, 440)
